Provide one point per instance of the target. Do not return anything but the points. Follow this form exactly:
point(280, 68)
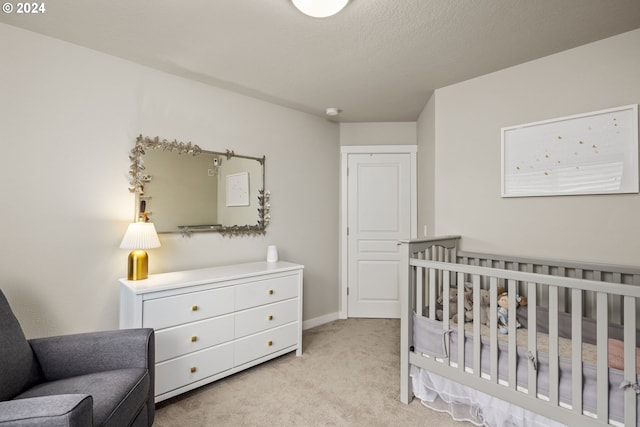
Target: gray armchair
point(92, 379)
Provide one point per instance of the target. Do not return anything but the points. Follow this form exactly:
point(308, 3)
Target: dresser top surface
point(158, 282)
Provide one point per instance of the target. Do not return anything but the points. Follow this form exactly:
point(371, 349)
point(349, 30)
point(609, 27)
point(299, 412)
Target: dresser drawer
point(178, 309)
point(265, 317)
point(266, 291)
point(190, 337)
point(176, 373)
point(256, 346)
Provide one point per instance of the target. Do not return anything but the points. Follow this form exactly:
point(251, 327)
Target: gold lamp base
point(138, 265)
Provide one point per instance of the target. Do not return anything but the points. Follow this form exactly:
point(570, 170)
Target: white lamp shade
point(140, 235)
point(320, 8)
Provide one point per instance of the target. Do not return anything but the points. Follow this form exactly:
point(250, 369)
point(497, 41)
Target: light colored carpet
point(348, 375)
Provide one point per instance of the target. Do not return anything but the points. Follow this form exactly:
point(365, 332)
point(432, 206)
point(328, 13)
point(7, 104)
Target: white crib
point(559, 365)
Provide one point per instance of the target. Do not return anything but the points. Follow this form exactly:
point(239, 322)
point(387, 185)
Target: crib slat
point(543, 292)
point(459, 278)
point(431, 292)
point(437, 251)
point(419, 279)
point(553, 345)
point(590, 297)
point(446, 294)
point(461, 365)
point(477, 342)
point(616, 300)
point(532, 383)
point(635, 280)
point(460, 304)
point(630, 360)
point(576, 350)
point(501, 265)
point(513, 352)
point(567, 292)
point(602, 370)
point(493, 329)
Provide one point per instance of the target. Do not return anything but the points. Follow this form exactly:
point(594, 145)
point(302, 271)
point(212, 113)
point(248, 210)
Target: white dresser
point(213, 322)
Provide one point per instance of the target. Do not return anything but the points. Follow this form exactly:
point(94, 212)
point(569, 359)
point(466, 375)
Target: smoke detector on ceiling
point(333, 111)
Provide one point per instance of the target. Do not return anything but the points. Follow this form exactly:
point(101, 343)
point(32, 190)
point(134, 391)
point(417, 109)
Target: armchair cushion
point(110, 352)
point(65, 410)
point(117, 394)
point(19, 365)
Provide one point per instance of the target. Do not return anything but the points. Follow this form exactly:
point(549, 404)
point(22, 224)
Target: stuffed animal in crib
point(468, 306)
point(503, 311)
point(453, 306)
point(485, 306)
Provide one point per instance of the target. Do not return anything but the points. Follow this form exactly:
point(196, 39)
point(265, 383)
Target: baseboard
point(317, 321)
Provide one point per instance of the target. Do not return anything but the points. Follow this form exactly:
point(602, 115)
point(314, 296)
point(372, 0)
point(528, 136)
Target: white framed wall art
point(591, 153)
point(238, 189)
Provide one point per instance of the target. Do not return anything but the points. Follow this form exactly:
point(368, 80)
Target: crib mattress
point(429, 339)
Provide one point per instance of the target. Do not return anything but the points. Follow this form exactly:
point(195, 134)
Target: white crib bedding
point(429, 340)
point(464, 403)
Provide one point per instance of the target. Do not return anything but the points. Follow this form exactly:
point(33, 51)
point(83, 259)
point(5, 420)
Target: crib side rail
point(539, 265)
point(610, 273)
point(525, 276)
point(605, 274)
point(424, 274)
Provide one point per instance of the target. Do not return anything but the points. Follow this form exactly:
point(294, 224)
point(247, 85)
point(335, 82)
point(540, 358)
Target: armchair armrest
point(63, 410)
point(67, 356)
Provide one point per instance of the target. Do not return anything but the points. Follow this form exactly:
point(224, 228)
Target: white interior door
point(379, 198)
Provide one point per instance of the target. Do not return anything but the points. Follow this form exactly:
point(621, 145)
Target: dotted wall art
point(592, 153)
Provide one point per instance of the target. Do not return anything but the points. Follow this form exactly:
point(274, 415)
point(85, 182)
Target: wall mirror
point(183, 188)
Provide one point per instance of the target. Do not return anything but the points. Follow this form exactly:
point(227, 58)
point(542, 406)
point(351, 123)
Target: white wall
point(426, 169)
point(69, 117)
point(383, 133)
point(467, 120)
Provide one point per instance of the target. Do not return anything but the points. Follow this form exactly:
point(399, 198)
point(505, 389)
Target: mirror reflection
point(182, 188)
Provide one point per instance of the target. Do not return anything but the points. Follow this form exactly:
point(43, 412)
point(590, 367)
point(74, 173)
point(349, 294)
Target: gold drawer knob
point(194, 338)
point(269, 317)
point(269, 343)
point(193, 369)
point(194, 308)
point(270, 291)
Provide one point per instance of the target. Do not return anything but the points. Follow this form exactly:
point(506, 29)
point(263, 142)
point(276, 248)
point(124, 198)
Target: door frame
point(345, 151)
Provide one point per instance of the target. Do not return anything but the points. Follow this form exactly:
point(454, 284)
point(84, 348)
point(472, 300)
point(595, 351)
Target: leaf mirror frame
point(139, 177)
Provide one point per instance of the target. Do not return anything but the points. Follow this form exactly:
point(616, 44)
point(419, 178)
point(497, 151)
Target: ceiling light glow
point(320, 8)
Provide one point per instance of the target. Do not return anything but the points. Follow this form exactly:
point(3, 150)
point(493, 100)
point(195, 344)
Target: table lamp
point(139, 236)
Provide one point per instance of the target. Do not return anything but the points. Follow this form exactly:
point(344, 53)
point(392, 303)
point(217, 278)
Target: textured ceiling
point(377, 60)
